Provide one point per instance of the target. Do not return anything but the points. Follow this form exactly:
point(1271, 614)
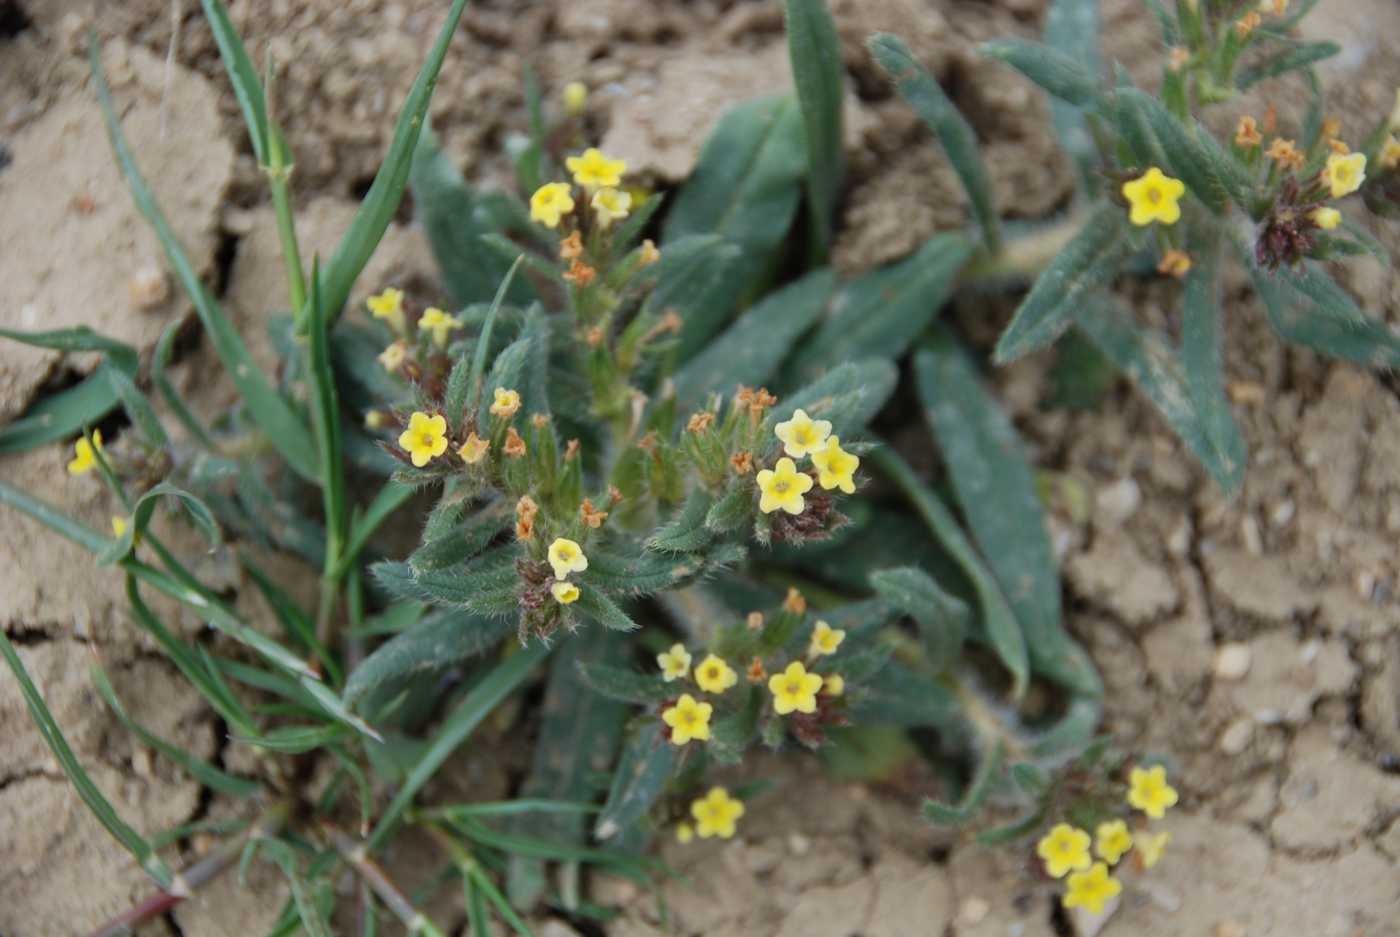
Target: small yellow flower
point(1150, 847)
point(713, 675)
point(426, 437)
point(551, 201)
point(565, 593)
point(825, 640)
point(1247, 132)
point(836, 468)
point(684, 833)
point(394, 356)
point(84, 458)
point(1326, 218)
point(374, 419)
point(566, 557)
point(795, 690)
point(594, 171)
point(474, 449)
point(1154, 196)
point(716, 813)
point(439, 323)
point(1344, 174)
point(674, 664)
point(1150, 792)
point(610, 205)
point(388, 306)
point(1390, 153)
point(505, 404)
point(1174, 263)
point(649, 253)
point(575, 97)
point(834, 684)
point(1091, 890)
point(1111, 840)
point(802, 434)
point(119, 525)
point(1065, 848)
point(783, 488)
point(688, 719)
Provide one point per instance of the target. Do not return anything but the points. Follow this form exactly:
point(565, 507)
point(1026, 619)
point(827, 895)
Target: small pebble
point(1235, 739)
point(973, 911)
point(1232, 661)
point(798, 844)
point(1229, 929)
point(1118, 502)
point(148, 288)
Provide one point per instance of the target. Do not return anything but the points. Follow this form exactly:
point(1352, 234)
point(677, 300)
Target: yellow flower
point(439, 323)
point(1150, 847)
point(648, 253)
point(1150, 792)
point(716, 813)
point(610, 205)
point(1326, 218)
point(834, 684)
point(575, 96)
point(825, 640)
point(1154, 197)
point(566, 557)
point(1111, 840)
point(393, 357)
point(84, 459)
point(688, 719)
point(802, 434)
point(1390, 154)
point(713, 675)
point(1344, 174)
point(505, 404)
point(1065, 848)
point(551, 201)
point(684, 833)
point(474, 449)
point(594, 171)
point(783, 488)
point(674, 664)
point(795, 690)
point(426, 437)
point(388, 306)
point(565, 593)
point(1091, 890)
point(836, 467)
point(119, 525)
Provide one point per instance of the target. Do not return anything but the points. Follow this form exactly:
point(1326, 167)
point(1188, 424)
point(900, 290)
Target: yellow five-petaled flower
point(394, 356)
point(426, 437)
point(1154, 196)
point(674, 664)
point(688, 719)
point(716, 813)
point(1112, 840)
point(388, 306)
point(84, 458)
point(565, 593)
point(1149, 791)
point(1091, 890)
point(439, 323)
point(795, 690)
point(474, 449)
point(505, 403)
point(836, 468)
point(610, 205)
point(825, 640)
point(551, 201)
point(713, 675)
point(783, 488)
point(1150, 847)
point(595, 171)
point(1065, 848)
point(802, 434)
point(1344, 173)
point(566, 556)
point(834, 684)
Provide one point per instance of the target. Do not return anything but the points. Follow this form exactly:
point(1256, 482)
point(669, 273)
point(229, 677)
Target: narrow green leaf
point(596, 605)
point(160, 362)
point(646, 765)
point(942, 618)
point(462, 542)
point(1072, 28)
point(389, 499)
point(686, 532)
point(62, 415)
point(1054, 71)
point(440, 640)
point(1183, 155)
point(1302, 55)
point(1202, 359)
point(483, 343)
point(624, 684)
point(325, 421)
point(242, 75)
point(848, 396)
point(814, 50)
point(194, 508)
point(959, 141)
point(54, 519)
point(486, 586)
point(80, 338)
point(988, 769)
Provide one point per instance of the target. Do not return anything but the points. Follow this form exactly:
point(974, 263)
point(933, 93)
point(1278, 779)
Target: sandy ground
point(1256, 642)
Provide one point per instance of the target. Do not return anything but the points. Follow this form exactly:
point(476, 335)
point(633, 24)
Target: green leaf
point(596, 605)
point(959, 141)
point(195, 509)
point(1054, 71)
point(1302, 55)
point(814, 50)
point(54, 519)
point(101, 808)
point(160, 361)
point(483, 342)
point(731, 511)
point(732, 734)
point(1072, 28)
point(750, 350)
point(81, 338)
point(999, 625)
point(325, 421)
point(1183, 155)
point(646, 765)
point(882, 312)
point(296, 739)
point(686, 532)
point(1090, 260)
point(942, 618)
point(385, 192)
point(848, 396)
point(1203, 365)
point(523, 366)
point(903, 698)
point(390, 498)
point(62, 415)
point(988, 770)
point(486, 586)
point(242, 75)
point(996, 490)
point(284, 430)
point(624, 684)
point(461, 543)
point(628, 569)
point(438, 641)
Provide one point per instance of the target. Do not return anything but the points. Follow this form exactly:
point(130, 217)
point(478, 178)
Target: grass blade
point(54, 519)
point(815, 52)
point(242, 75)
point(62, 415)
point(160, 361)
point(325, 421)
point(80, 338)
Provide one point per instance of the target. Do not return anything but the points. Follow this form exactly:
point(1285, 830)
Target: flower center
point(794, 687)
point(427, 439)
point(1154, 196)
point(782, 486)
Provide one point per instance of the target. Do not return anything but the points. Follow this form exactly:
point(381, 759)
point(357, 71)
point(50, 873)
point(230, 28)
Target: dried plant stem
point(195, 876)
point(355, 853)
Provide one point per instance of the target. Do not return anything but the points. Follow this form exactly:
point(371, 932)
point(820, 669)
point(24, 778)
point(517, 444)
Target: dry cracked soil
point(1253, 642)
